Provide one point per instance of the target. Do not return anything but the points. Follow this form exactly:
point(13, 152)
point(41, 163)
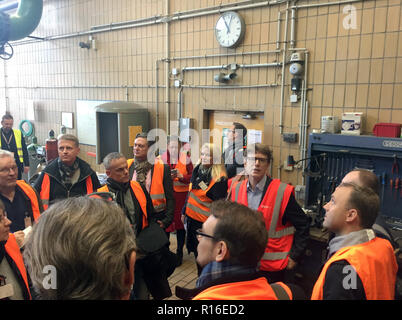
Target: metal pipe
point(225, 55)
point(292, 29)
point(167, 65)
point(226, 66)
point(255, 86)
point(283, 71)
point(85, 87)
point(313, 5)
point(278, 31)
point(156, 94)
point(179, 103)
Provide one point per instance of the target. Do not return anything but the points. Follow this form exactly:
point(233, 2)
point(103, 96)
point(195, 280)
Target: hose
point(30, 128)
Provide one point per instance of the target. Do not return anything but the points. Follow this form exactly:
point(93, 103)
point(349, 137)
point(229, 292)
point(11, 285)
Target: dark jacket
point(167, 215)
point(234, 160)
point(58, 190)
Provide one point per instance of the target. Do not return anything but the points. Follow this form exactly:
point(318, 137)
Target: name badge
point(6, 291)
point(203, 186)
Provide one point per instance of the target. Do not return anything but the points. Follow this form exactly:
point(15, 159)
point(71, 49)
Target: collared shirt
point(254, 196)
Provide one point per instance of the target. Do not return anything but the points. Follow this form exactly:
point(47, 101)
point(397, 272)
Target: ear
point(352, 215)
point(128, 278)
point(107, 172)
point(222, 251)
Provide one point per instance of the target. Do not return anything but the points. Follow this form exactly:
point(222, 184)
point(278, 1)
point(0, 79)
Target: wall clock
point(229, 29)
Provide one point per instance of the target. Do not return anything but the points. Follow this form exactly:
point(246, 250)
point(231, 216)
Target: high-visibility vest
point(198, 204)
point(140, 195)
point(157, 192)
point(29, 191)
point(45, 189)
point(181, 166)
point(273, 205)
point(258, 289)
point(374, 262)
point(13, 250)
point(18, 143)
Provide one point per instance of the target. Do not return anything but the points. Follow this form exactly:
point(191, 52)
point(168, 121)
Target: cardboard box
point(352, 123)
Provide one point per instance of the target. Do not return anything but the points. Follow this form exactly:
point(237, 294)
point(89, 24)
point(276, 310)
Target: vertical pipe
point(278, 31)
point(283, 70)
point(167, 96)
point(156, 93)
point(292, 28)
point(179, 103)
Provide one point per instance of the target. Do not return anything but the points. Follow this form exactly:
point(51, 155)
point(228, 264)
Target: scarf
point(203, 174)
point(218, 270)
point(350, 239)
point(142, 169)
point(67, 172)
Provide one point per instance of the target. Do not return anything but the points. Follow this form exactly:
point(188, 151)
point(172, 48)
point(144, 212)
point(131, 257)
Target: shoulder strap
point(279, 291)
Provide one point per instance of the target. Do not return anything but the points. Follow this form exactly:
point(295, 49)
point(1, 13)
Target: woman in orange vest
point(208, 183)
point(13, 275)
point(178, 158)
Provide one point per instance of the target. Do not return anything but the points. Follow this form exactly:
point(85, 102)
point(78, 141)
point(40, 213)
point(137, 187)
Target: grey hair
point(88, 242)
point(69, 137)
point(110, 157)
point(5, 154)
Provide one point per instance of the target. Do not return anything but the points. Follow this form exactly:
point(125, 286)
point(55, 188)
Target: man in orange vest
point(360, 265)
point(66, 176)
point(156, 178)
point(21, 201)
point(13, 275)
point(231, 243)
point(287, 224)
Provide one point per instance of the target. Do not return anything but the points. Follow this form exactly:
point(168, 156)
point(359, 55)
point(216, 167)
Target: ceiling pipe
point(23, 22)
point(9, 6)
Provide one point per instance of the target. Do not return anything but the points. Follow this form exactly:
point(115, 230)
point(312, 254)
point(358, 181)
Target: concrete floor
point(186, 274)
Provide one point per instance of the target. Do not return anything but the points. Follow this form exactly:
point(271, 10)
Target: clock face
point(229, 29)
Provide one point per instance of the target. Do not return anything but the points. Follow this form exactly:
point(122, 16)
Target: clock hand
point(227, 27)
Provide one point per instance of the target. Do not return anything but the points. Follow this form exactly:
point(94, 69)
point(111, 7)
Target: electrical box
point(185, 124)
point(290, 137)
point(117, 124)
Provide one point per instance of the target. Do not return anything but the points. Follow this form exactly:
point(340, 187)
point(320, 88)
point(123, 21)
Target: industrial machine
point(331, 156)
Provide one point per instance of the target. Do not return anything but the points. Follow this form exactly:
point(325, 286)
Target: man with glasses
point(13, 275)
point(21, 201)
point(287, 224)
point(229, 256)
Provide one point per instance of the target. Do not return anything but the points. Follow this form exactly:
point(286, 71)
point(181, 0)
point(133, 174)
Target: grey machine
point(116, 125)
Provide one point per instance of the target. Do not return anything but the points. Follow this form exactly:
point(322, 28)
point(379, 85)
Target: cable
point(30, 128)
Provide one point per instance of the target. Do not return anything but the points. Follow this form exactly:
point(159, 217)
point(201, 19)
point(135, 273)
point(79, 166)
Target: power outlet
point(286, 166)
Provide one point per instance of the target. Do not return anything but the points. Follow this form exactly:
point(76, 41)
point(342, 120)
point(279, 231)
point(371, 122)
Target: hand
point(26, 169)
point(183, 217)
point(19, 237)
point(160, 224)
point(291, 264)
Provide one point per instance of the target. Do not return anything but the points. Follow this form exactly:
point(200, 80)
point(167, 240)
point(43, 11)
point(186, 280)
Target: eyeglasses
point(7, 169)
point(254, 159)
point(199, 234)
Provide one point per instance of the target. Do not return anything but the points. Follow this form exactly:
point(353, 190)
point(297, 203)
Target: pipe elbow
point(25, 20)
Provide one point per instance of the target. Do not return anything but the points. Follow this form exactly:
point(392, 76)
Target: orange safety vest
point(375, 264)
point(140, 195)
point(157, 192)
point(258, 289)
point(273, 205)
point(198, 204)
point(45, 189)
point(181, 166)
point(28, 190)
point(13, 250)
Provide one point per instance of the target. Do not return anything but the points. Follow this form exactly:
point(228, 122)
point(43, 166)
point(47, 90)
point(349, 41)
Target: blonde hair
point(218, 168)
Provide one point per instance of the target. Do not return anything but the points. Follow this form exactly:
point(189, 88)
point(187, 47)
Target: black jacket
point(58, 190)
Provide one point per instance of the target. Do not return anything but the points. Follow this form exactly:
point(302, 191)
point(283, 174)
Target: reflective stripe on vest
point(30, 193)
point(141, 197)
point(156, 191)
point(45, 189)
point(258, 289)
point(375, 264)
point(198, 204)
point(18, 143)
point(280, 237)
point(13, 250)
point(181, 166)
